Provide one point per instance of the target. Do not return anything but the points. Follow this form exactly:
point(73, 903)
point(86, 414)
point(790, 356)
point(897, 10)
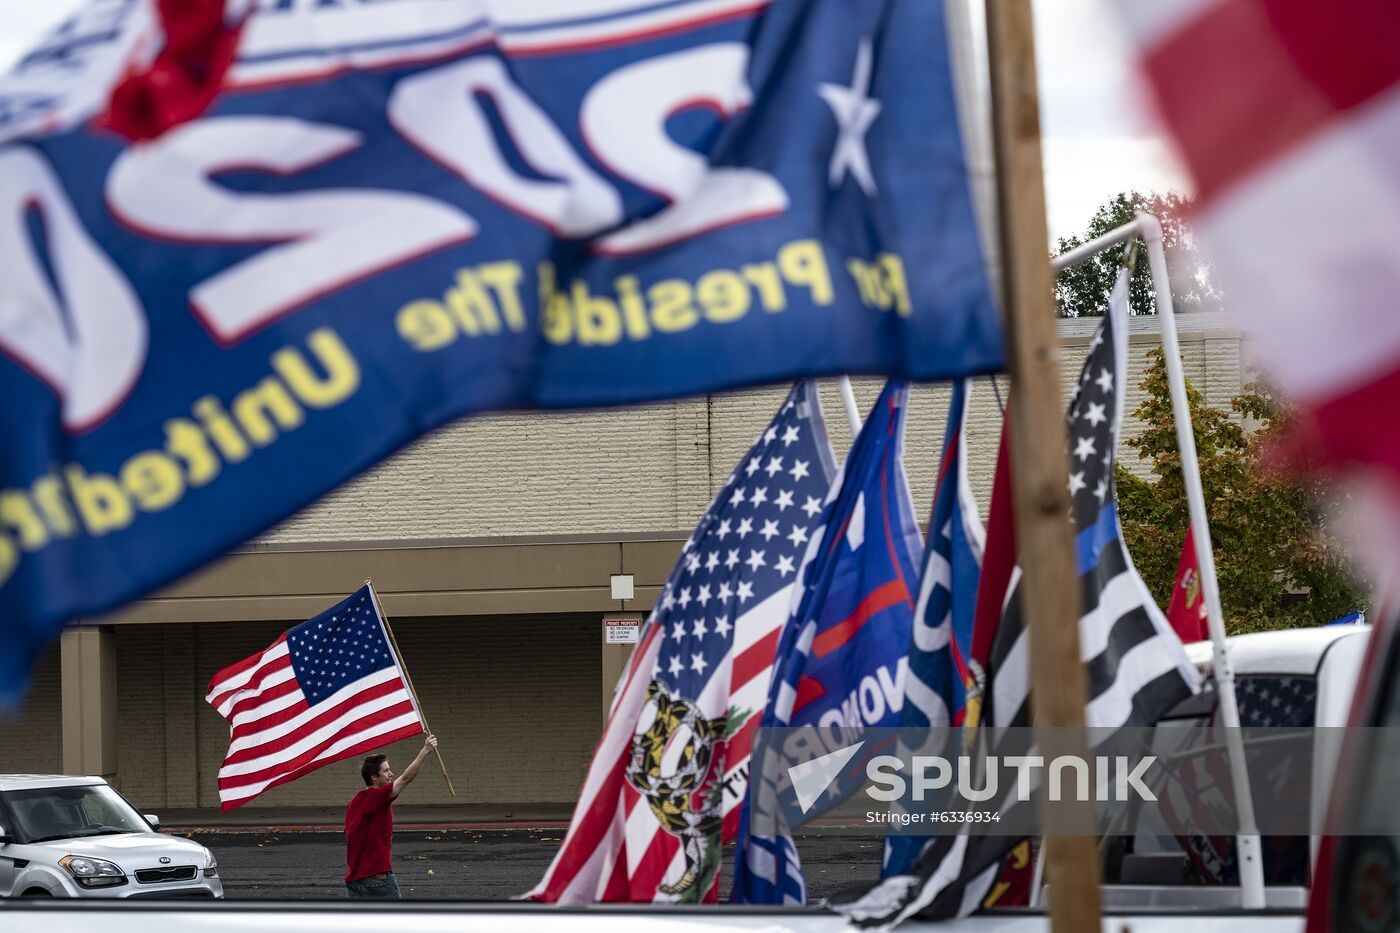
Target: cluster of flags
point(804, 597)
point(861, 633)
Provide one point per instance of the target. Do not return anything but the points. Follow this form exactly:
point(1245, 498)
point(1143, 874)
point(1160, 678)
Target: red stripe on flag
point(1250, 79)
point(651, 870)
point(754, 660)
point(808, 689)
point(253, 703)
point(364, 723)
point(378, 741)
point(742, 743)
point(882, 598)
point(233, 670)
point(1347, 429)
point(322, 718)
point(251, 689)
point(254, 726)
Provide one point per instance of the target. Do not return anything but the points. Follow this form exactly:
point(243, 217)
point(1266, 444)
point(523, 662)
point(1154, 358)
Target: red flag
point(200, 39)
point(1187, 612)
point(999, 555)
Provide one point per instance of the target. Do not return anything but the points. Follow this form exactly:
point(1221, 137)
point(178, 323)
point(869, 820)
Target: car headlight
point(92, 872)
point(211, 865)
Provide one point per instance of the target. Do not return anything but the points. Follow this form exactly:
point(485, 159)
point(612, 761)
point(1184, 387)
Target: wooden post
point(1039, 460)
point(408, 681)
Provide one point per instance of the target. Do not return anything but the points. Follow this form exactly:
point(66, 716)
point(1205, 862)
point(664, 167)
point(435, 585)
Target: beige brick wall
point(655, 467)
point(640, 469)
point(514, 701)
point(31, 738)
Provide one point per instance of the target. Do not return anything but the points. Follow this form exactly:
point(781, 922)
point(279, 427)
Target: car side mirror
point(153, 820)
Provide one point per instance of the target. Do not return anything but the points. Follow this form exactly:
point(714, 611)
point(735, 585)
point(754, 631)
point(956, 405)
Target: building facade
point(493, 544)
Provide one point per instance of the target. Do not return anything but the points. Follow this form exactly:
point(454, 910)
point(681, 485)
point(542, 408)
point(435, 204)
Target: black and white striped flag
point(1136, 667)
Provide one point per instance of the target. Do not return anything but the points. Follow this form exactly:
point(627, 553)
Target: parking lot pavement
point(465, 864)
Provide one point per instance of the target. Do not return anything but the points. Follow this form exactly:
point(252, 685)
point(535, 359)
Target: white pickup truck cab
point(1321, 666)
point(1296, 678)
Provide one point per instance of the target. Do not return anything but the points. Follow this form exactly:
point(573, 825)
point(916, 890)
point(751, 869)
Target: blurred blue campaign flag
point(842, 657)
point(396, 214)
point(942, 671)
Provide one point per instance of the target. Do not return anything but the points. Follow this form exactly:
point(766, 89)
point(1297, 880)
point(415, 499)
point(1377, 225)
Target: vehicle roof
point(31, 781)
point(1289, 651)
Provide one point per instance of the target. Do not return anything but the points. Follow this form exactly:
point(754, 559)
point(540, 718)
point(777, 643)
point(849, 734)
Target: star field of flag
point(747, 546)
point(338, 647)
point(1091, 433)
point(1277, 702)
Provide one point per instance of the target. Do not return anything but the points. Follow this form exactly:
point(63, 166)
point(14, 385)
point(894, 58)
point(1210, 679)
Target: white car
point(66, 836)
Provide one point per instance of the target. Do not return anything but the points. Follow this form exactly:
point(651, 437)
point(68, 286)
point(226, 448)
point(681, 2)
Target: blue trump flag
point(841, 660)
point(942, 671)
point(398, 213)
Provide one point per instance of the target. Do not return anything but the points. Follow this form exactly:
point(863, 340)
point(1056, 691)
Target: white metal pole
point(1037, 876)
point(974, 120)
point(1247, 842)
point(848, 399)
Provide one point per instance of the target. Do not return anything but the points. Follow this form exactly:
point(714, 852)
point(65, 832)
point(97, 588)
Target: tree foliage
point(1277, 566)
point(1082, 291)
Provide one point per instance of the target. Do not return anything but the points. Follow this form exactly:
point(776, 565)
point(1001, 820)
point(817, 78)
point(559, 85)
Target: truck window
point(1160, 848)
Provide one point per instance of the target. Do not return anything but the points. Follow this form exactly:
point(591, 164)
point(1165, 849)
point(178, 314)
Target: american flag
point(1136, 667)
point(1284, 112)
point(672, 765)
point(328, 689)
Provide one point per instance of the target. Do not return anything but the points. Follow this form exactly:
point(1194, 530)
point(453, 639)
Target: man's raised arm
point(411, 772)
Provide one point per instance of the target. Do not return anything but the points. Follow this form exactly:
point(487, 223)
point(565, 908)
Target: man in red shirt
point(369, 825)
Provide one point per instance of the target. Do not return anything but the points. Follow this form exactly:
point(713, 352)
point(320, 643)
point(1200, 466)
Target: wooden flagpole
point(1039, 458)
point(417, 703)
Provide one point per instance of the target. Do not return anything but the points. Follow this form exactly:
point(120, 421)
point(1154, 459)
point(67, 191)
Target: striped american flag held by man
point(670, 771)
point(331, 688)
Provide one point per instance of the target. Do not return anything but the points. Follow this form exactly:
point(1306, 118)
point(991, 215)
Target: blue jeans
point(374, 886)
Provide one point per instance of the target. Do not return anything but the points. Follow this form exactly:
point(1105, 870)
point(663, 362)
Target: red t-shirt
point(369, 832)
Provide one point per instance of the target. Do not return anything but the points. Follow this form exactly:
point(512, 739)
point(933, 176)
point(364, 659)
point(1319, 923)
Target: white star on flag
point(855, 111)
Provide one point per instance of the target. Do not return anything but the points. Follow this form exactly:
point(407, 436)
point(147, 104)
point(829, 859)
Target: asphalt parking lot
point(464, 864)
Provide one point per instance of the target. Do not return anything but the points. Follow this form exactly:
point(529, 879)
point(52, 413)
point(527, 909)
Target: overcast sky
point(1097, 141)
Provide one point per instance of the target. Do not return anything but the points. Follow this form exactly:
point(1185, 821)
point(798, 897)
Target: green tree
point(1082, 291)
point(1277, 566)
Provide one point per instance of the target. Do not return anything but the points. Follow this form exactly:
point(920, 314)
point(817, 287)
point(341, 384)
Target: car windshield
point(73, 812)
